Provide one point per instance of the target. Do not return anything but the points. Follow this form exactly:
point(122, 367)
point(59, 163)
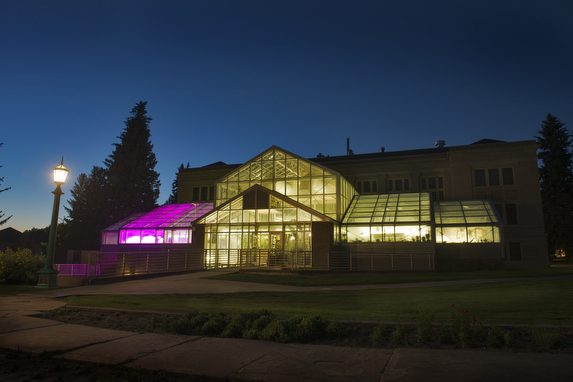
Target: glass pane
point(304, 186)
point(292, 168)
point(303, 168)
point(303, 216)
point(317, 171)
point(329, 184)
point(180, 236)
point(267, 170)
point(454, 235)
point(358, 234)
point(317, 185)
point(148, 236)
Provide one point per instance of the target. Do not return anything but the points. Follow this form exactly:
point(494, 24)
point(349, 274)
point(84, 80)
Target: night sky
point(225, 80)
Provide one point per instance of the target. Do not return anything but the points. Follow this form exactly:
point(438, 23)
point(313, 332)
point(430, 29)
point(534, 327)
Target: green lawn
point(520, 302)
point(338, 279)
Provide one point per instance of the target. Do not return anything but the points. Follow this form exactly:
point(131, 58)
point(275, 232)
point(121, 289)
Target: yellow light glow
point(60, 173)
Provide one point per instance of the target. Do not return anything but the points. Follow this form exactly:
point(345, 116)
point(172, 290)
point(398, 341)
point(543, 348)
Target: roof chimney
point(440, 143)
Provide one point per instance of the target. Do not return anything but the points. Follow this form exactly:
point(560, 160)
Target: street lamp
point(48, 276)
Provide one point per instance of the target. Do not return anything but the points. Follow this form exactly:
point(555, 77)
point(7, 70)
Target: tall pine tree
point(128, 184)
point(133, 181)
point(556, 177)
point(88, 212)
point(172, 199)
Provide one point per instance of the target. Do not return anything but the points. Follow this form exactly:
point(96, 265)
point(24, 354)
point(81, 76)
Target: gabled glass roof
point(169, 215)
point(389, 209)
point(280, 209)
point(276, 163)
point(306, 182)
point(465, 212)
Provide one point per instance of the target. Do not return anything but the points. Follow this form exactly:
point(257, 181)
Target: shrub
point(547, 337)
point(378, 335)
point(424, 327)
point(398, 333)
point(20, 267)
point(336, 329)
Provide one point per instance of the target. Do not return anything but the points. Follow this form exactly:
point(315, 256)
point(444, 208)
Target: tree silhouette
point(556, 178)
point(128, 184)
point(133, 181)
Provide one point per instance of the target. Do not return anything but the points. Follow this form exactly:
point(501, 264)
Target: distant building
point(463, 207)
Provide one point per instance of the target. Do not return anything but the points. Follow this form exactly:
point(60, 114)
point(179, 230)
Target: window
point(195, 194)
point(514, 252)
point(494, 177)
point(367, 187)
point(480, 178)
point(435, 185)
point(507, 174)
point(511, 214)
point(399, 185)
point(204, 191)
point(211, 193)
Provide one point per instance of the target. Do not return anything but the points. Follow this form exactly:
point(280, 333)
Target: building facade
point(462, 207)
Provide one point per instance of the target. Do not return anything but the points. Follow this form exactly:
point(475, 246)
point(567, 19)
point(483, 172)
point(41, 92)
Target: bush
point(20, 267)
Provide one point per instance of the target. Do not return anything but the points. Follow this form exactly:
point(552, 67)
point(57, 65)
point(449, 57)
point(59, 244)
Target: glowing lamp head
point(60, 174)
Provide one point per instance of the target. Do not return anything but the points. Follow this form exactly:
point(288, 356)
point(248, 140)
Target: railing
point(376, 261)
point(77, 269)
point(257, 259)
point(113, 264)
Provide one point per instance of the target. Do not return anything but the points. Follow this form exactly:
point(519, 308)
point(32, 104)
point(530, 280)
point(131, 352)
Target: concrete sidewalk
point(248, 360)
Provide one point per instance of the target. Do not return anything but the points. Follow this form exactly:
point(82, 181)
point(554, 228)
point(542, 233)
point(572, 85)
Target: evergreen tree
point(133, 182)
point(88, 212)
point(556, 177)
point(175, 186)
point(2, 221)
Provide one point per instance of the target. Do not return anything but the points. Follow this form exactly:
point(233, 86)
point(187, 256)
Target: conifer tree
point(175, 186)
point(133, 181)
point(88, 212)
point(556, 178)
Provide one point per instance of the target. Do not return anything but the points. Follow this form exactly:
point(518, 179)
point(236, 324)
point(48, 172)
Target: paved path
point(247, 360)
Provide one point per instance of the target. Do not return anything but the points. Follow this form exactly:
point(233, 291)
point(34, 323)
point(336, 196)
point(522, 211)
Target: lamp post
point(48, 276)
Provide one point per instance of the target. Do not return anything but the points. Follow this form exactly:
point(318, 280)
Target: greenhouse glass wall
point(281, 211)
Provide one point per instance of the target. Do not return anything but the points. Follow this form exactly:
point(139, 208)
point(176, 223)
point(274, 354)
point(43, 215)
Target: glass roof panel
point(171, 215)
point(391, 208)
point(464, 212)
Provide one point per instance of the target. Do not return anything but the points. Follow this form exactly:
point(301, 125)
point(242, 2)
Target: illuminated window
point(470, 221)
point(388, 218)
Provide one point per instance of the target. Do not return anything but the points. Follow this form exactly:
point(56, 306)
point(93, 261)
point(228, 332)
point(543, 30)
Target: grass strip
point(341, 279)
point(522, 302)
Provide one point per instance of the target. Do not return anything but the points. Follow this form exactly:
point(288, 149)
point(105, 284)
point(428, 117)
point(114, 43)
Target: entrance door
point(276, 248)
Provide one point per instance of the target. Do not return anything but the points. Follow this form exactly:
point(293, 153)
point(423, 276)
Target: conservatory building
point(280, 211)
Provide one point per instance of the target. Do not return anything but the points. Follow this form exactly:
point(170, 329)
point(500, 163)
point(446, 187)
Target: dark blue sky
point(225, 80)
